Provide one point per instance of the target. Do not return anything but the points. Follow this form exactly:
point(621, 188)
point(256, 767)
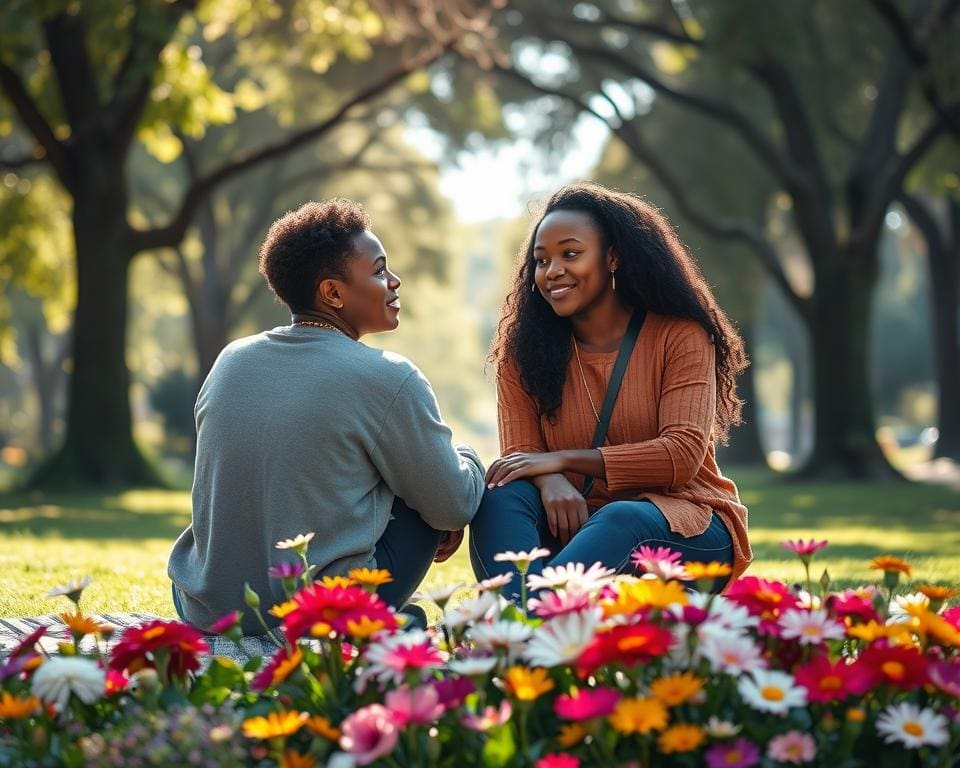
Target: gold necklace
point(317, 324)
point(576, 350)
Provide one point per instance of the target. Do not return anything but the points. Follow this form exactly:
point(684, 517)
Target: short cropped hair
point(307, 245)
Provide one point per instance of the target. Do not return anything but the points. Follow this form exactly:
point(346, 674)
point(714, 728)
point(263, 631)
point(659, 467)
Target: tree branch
point(653, 161)
point(36, 124)
point(172, 233)
point(76, 81)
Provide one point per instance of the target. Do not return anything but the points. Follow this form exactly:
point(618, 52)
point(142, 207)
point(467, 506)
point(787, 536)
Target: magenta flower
point(804, 548)
point(557, 760)
point(558, 603)
point(419, 705)
point(225, 624)
point(733, 754)
point(451, 691)
point(586, 703)
point(488, 718)
point(369, 734)
point(792, 747)
point(945, 675)
point(286, 570)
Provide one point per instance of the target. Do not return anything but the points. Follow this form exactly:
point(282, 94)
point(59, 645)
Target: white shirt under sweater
point(303, 429)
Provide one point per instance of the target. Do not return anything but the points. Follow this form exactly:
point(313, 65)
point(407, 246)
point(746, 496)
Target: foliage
point(604, 670)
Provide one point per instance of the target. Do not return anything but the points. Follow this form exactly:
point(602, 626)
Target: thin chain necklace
point(317, 324)
point(576, 350)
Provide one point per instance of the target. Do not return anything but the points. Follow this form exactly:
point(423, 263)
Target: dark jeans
point(406, 549)
point(512, 517)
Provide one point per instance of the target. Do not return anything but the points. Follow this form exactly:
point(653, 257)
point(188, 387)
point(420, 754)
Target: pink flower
point(551, 604)
point(586, 703)
point(803, 548)
point(952, 616)
point(736, 754)
point(792, 747)
point(390, 658)
point(369, 733)
point(662, 562)
point(451, 691)
point(557, 760)
point(660, 553)
point(852, 604)
point(810, 627)
point(225, 624)
point(945, 676)
point(420, 705)
point(488, 718)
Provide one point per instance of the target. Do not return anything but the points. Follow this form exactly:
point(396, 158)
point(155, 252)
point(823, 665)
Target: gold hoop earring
point(613, 281)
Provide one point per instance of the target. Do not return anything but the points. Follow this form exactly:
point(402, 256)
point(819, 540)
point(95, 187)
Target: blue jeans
point(512, 517)
point(406, 549)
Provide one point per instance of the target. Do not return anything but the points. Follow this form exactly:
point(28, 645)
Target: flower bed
point(605, 670)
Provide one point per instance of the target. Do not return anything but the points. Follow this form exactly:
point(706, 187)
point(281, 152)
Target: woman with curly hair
point(304, 428)
point(604, 277)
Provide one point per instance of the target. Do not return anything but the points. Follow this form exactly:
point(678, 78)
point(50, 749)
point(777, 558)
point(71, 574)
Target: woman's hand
point(449, 543)
point(565, 507)
point(518, 465)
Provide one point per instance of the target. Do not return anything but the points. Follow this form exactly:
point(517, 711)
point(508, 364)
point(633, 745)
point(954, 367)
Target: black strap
point(613, 386)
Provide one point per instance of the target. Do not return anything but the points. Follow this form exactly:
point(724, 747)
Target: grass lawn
point(122, 540)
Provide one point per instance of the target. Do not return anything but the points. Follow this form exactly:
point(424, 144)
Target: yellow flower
point(275, 725)
point(645, 593)
point(364, 628)
point(294, 759)
point(527, 684)
point(571, 735)
point(80, 624)
point(714, 570)
point(680, 738)
point(676, 689)
point(937, 592)
point(887, 563)
point(370, 577)
point(639, 716)
point(283, 670)
point(332, 582)
point(930, 623)
point(15, 707)
point(856, 715)
point(874, 631)
point(282, 609)
point(321, 726)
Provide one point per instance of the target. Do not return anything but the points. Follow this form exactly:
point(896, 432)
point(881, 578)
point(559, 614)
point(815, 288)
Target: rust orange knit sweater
point(658, 446)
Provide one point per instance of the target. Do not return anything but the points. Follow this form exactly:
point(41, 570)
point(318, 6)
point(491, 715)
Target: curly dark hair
point(308, 244)
point(655, 272)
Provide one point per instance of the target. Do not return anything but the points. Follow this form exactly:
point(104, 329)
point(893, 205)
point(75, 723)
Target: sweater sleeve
point(685, 419)
point(415, 454)
point(518, 417)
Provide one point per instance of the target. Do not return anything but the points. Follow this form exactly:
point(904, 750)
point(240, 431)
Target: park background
point(807, 152)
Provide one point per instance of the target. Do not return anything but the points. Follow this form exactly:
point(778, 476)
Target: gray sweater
point(303, 429)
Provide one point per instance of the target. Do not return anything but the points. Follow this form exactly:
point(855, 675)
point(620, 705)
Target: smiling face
point(369, 295)
point(572, 265)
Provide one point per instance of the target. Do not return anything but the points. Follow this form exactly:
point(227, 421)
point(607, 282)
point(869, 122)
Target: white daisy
point(771, 691)
point(473, 665)
point(810, 627)
point(471, 610)
point(898, 608)
point(722, 729)
point(733, 654)
point(495, 582)
point(573, 577)
point(911, 726)
point(71, 589)
point(60, 676)
point(724, 613)
point(521, 560)
point(507, 636)
point(441, 594)
point(299, 543)
point(562, 639)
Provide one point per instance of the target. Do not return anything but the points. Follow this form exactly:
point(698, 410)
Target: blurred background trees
point(806, 151)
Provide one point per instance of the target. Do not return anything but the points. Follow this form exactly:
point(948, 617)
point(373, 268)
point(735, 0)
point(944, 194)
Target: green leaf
point(500, 748)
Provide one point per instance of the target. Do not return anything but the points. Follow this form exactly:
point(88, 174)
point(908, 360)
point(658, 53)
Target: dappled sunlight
point(151, 500)
point(22, 514)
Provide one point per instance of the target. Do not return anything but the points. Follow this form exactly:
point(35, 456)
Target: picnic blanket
point(13, 630)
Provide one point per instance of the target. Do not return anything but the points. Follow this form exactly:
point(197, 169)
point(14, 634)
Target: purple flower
point(741, 753)
point(286, 570)
point(453, 690)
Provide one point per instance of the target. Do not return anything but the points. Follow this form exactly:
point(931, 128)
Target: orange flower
point(370, 577)
point(16, 708)
point(639, 716)
point(873, 630)
point(282, 609)
point(80, 624)
point(680, 738)
point(364, 628)
point(887, 563)
point(294, 759)
point(644, 593)
point(336, 581)
point(277, 669)
point(714, 570)
point(676, 689)
point(275, 725)
point(320, 726)
point(937, 592)
point(527, 684)
point(571, 735)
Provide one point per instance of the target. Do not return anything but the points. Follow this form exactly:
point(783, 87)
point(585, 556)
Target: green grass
point(123, 540)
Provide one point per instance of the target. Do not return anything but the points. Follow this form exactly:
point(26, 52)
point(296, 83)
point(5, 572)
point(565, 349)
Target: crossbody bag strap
point(613, 386)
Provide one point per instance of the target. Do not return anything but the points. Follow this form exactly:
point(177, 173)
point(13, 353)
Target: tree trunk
point(745, 447)
point(99, 449)
point(44, 384)
point(845, 444)
point(945, 285)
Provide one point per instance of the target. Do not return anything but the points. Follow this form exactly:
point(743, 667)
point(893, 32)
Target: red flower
point(764, 598)
point(320, 610)
point(850, 604)
point(280, 666)
point(827, 681)
point(629, 644)
point(905, 668)
point(25, 646)
point(138, 647)
point(225, 624)
point(115, 682)
point(557, 760)
point(586, 703)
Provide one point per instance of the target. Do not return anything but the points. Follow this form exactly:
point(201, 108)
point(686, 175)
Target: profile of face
point(367, 299)
point(571, 266)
